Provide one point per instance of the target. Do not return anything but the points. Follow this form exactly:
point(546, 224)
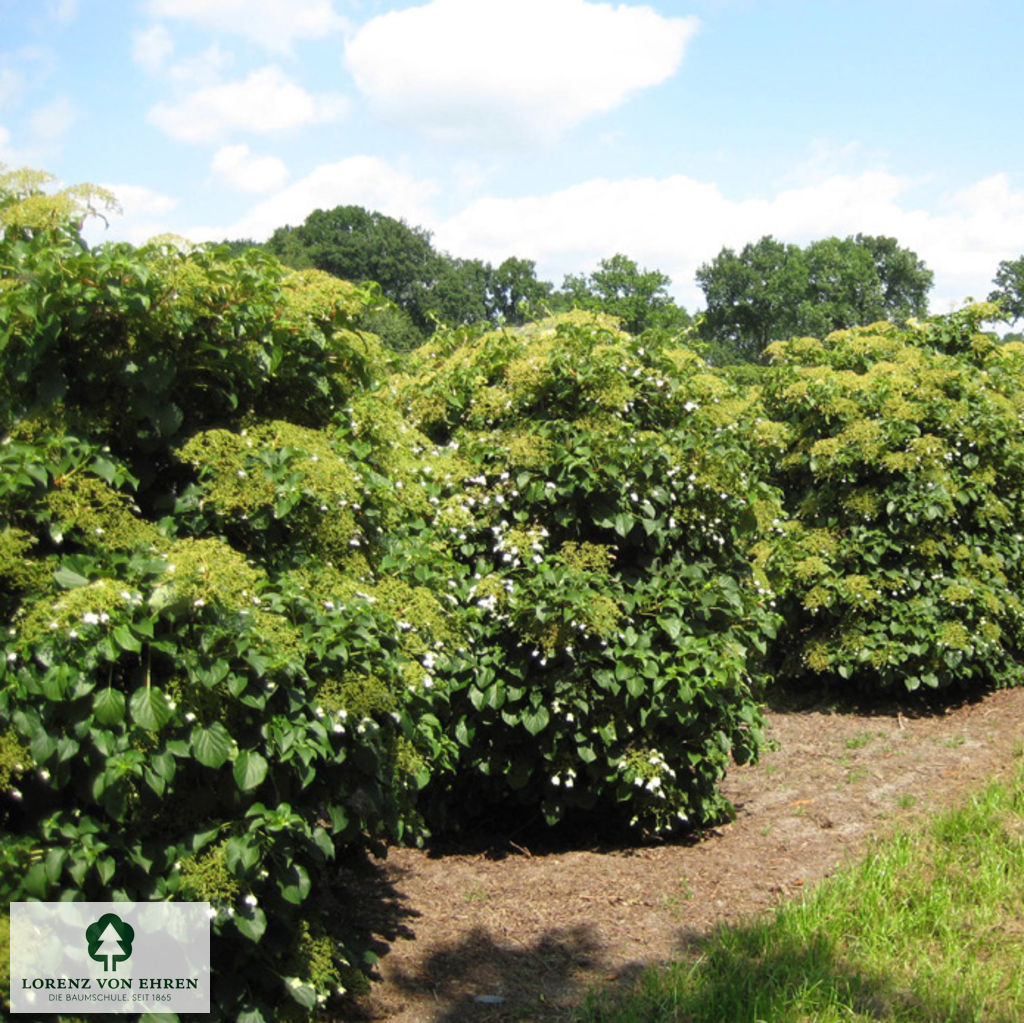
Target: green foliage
point(612, 620)
point(268, 597)
point(422, 287)
point(902, 453)
point(171, 724)
point(638, 298)
point(772, 291)
point(1009, 288)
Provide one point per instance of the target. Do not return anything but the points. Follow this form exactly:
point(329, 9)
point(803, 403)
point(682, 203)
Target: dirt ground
point(514, 933)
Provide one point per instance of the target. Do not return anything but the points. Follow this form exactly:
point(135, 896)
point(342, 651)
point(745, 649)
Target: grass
point(928, 927)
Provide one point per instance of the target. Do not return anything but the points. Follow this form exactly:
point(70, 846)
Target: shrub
point(598, 567)
point(184, 711)
point(902, 557)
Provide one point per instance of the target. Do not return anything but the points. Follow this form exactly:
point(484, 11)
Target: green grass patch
point(928, 927)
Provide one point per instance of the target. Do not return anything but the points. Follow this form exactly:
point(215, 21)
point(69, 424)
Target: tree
point(459, 293)
point(904, 278)
point(773, 290)
point(1009, 292)
point(359, 245)
point(515, 293)
point(639, 298)
point(752, 297)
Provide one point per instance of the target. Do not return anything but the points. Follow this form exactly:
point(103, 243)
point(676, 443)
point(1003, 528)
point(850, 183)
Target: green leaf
point(673, 626)
point(241, 855)
point(126, 640)
point(303, 993)
point(251, 922)
point(536, 720)
point(108, 707)
point(211, 746)
point(249, 770)
point(294, 885)
point(69, 580)
point(623, 523)
point(150, 708)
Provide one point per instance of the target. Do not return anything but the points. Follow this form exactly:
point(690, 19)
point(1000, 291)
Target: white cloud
point(241, 169)
point(511, 71)
point(143, 214)
point(675, 224)
point(151, 48)
point(272, 24)
point(63, 11)
point(267, 101)
point(12, 83)
point(50, 124)
point(203, 70)
point(358, 180)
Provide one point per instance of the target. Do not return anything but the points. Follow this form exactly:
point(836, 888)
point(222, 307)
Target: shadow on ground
point(482, 980)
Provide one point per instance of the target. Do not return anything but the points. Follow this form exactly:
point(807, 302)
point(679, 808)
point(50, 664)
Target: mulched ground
point(516, 933)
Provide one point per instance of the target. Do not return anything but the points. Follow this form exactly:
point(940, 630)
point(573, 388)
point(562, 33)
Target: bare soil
point(516, 933)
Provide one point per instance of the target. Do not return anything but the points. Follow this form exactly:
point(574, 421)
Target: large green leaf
point(211, 746)
point(108, 706)
point(150, 708)
point(249, 770)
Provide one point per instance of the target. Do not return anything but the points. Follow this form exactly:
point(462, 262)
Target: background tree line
point(767, 291)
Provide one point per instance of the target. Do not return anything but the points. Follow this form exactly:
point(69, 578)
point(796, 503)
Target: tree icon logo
point(110, 941)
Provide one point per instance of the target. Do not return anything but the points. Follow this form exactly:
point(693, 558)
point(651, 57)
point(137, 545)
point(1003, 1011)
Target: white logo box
point(91, 957)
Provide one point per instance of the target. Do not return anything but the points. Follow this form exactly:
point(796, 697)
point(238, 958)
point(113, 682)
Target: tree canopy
point(772, 290)
point(1009, 290)
point(639, 298)
point(426, 286)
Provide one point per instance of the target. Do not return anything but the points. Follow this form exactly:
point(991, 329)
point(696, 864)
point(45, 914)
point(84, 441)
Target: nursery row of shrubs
point(274, 597)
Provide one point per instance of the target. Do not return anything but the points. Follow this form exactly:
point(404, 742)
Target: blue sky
point(557, 130)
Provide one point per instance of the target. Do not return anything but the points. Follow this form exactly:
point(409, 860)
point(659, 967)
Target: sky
point(562, 131)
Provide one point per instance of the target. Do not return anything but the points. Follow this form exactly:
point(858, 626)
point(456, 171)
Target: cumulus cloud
point(152, 47)
point(358, 180)
point(511, 71)
point(265, 102)
point(676, 223)
point(273, 24)
point(241, 169)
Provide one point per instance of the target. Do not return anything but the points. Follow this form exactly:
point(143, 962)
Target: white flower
point(251, 900)
point(12, 657)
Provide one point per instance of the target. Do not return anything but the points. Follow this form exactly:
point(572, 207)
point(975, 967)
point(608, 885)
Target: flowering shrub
point(611, 619)
point(188, 708)
point(901, 462)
